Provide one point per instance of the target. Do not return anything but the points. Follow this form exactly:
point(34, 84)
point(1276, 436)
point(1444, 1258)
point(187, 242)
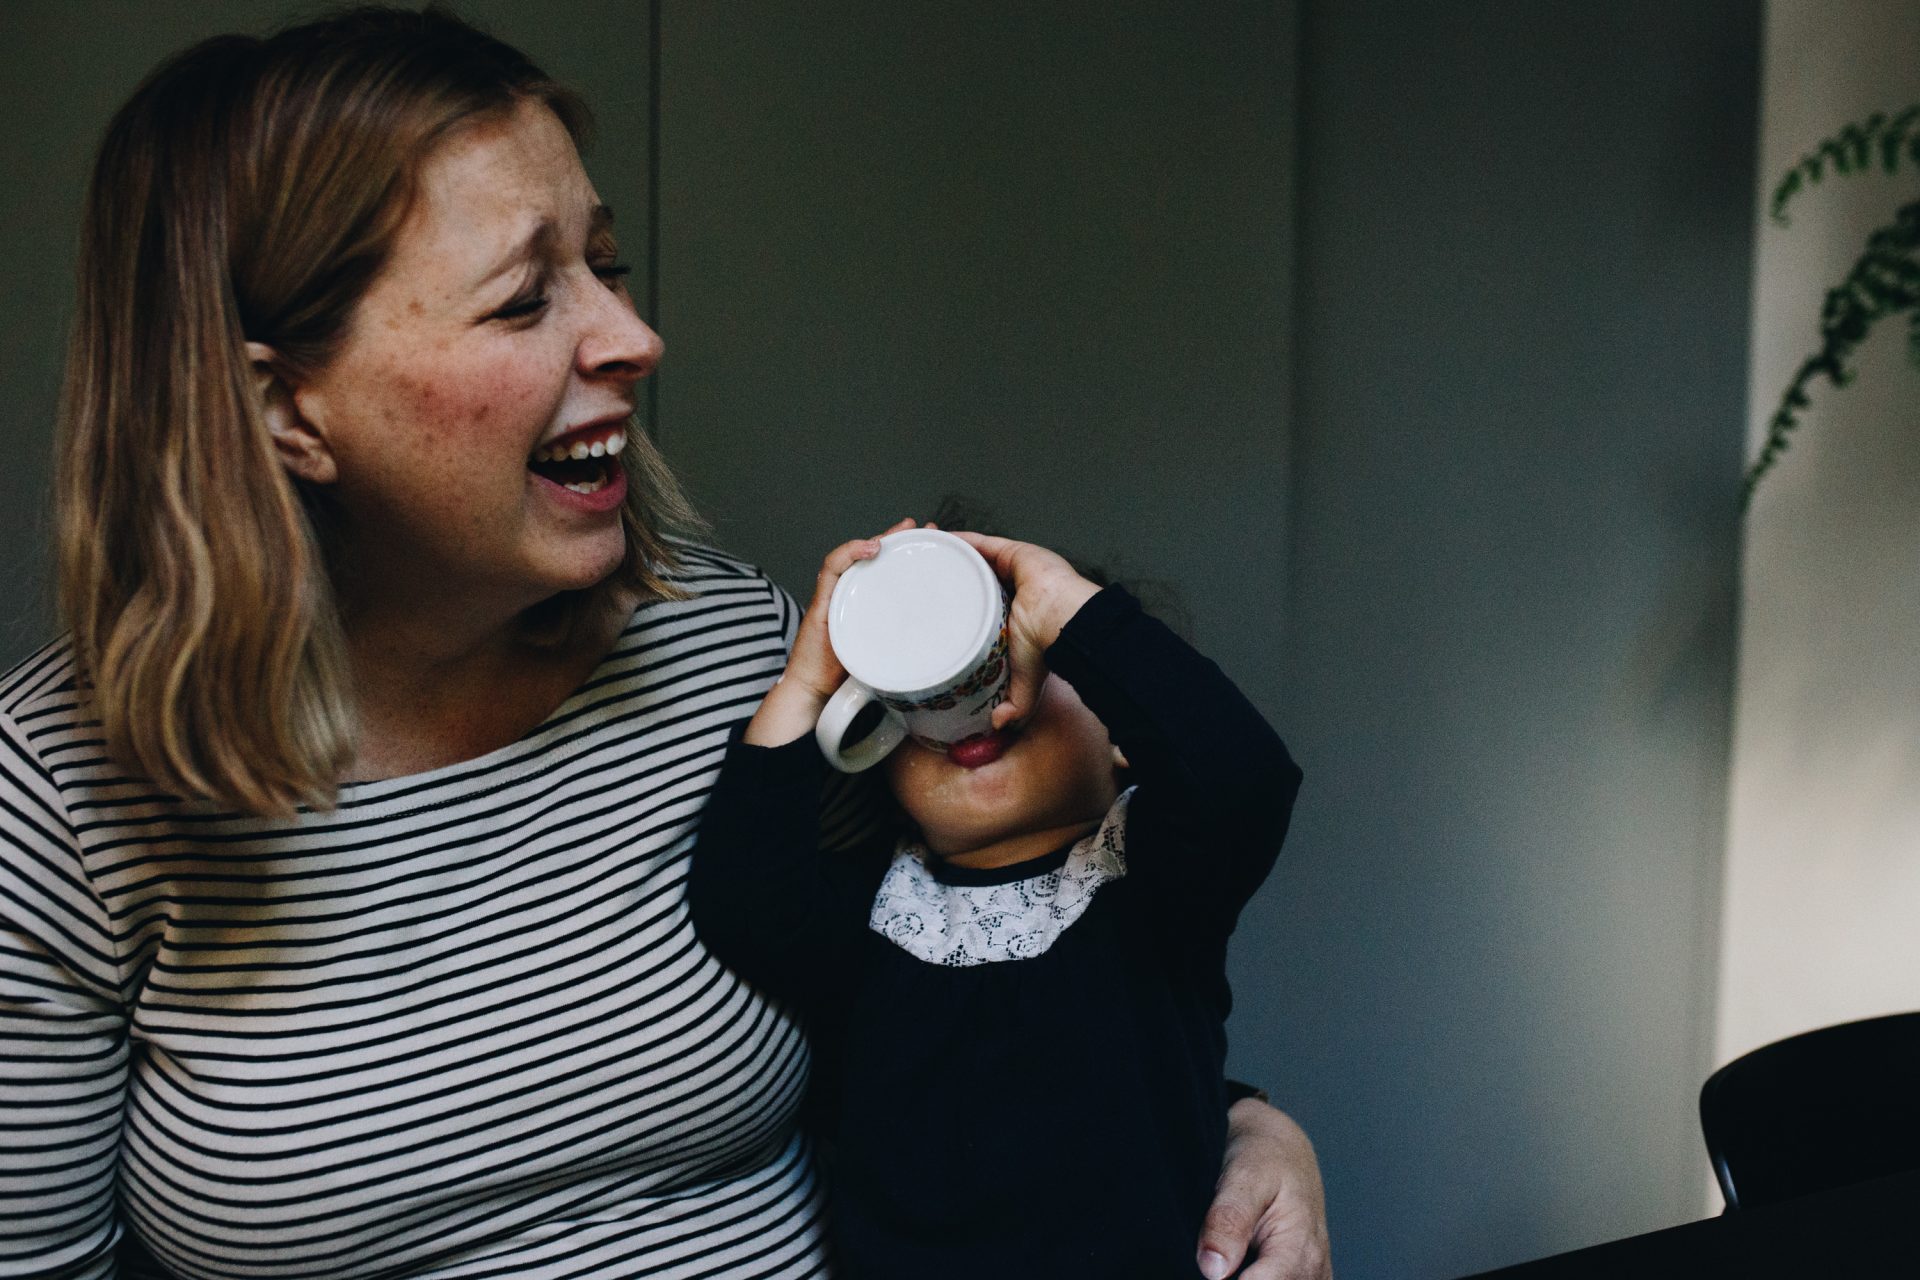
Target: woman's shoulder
point(53, 752)
point(702, 570)
point(709, 576)
point(40, 695)
point(721, 609)
point(46, 730)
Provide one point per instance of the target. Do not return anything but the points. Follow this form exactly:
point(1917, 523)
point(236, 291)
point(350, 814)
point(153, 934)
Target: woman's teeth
point(592, 486)
point(579, 451)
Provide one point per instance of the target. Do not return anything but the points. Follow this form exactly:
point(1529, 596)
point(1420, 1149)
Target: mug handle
point(847, 702)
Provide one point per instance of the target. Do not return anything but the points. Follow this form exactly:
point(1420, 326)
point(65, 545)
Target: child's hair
point(1157, 596)
point(251, 191)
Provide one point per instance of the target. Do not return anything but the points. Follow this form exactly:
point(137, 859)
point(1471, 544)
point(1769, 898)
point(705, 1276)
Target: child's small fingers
point(838, 561)
point(844, 557)
point(848, 554)
point(998, 552)
point(1023, 690)
point(986, 544)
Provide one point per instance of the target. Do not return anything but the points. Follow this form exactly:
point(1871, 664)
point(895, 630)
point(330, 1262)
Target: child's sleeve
point(1215, 784)
point(764, 897)
point(857, 813)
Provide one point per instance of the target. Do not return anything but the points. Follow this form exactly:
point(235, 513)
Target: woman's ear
point(302, 449)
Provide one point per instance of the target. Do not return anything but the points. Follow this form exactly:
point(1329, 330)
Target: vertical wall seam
point(1294, 395)
point(653, 204)
point(1710, 962)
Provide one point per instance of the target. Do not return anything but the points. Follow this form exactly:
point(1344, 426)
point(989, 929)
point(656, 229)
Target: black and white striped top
point(458, 1027)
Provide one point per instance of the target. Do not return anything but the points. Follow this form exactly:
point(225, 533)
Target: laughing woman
point(342, 840)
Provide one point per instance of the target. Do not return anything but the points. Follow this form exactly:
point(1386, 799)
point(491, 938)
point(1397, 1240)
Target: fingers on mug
point(921, 630)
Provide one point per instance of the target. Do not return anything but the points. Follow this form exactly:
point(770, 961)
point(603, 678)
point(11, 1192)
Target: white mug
point(922, 630)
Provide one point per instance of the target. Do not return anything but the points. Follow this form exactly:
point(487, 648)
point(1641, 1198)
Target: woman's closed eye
point(521, 308)
point(611, 274)
point(603, 257)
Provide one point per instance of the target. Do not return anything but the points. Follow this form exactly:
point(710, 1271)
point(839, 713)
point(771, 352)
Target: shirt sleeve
point(857, 813)
point(765, 897)
point(63, 1037)
point(1215, 784)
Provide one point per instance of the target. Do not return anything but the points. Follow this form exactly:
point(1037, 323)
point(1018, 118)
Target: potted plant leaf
point(1883, 283)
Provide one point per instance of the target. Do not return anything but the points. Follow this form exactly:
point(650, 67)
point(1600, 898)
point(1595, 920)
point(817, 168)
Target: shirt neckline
point(373, 787)
point(1025, 869)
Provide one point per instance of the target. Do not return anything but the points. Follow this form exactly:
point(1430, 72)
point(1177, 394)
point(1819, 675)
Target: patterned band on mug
point(982, 676)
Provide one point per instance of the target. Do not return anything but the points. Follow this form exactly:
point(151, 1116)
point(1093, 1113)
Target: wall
point(1037, 256)
point(1823, 886)
point(1488, 985)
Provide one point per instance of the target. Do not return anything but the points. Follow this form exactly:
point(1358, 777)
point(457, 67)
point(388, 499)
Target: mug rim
point(976, 653)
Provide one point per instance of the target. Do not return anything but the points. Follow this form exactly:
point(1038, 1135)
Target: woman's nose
point(617, 342)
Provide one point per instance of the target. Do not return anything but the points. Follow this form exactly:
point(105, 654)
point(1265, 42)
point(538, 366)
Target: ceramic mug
point(922, 630)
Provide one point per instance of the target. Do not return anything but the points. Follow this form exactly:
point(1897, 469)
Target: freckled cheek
point(456, 412)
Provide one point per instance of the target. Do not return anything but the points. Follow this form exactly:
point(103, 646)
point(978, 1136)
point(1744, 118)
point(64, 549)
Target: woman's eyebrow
point(535, 243)
point(539, 240)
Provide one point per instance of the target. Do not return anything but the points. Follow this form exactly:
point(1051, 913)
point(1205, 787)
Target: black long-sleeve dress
point(1018, 1070)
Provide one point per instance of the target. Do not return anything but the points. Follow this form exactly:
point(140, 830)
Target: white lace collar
point(969, 924)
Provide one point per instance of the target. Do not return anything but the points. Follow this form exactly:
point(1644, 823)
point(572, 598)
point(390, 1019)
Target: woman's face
point(498, 329)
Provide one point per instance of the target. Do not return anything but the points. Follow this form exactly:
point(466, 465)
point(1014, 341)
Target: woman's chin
point(591, 565)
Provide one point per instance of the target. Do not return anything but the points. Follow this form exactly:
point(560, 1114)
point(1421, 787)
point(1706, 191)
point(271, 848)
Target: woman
point(342, 842)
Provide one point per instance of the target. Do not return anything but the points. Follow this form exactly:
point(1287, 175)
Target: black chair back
point(1825, 1109)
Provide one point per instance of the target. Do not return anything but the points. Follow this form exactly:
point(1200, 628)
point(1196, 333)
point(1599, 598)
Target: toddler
point(1018, 1017)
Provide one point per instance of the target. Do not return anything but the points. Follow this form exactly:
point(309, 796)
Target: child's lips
point(980, 749)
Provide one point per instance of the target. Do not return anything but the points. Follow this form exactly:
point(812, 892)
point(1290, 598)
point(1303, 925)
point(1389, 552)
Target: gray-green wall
point(1409, 340)
point(1524, 259)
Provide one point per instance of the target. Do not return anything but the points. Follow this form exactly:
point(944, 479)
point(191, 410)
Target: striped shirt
point(458, 1027)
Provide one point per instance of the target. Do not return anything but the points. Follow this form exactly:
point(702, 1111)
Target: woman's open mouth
point(583, 463)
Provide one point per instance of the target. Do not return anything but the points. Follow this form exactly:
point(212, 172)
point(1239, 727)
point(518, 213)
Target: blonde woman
point(342, 841)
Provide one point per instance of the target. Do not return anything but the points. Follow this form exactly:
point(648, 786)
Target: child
point(1018, 1019)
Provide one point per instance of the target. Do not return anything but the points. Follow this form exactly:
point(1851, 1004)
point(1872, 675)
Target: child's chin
point(979, 826)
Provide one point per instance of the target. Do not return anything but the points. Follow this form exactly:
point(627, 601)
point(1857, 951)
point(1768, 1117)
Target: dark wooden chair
point(1825, 1109)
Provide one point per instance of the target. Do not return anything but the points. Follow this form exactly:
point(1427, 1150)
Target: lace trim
point(962, 925)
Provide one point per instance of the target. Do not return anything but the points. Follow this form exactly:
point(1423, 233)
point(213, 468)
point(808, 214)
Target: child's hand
point(1046, 594)
point(813, 672)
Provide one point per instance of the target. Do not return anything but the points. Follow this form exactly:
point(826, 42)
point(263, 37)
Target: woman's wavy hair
point(251, 190)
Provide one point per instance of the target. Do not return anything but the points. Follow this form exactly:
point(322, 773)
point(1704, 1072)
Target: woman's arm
point(63, 1038)
point(1269, 1209)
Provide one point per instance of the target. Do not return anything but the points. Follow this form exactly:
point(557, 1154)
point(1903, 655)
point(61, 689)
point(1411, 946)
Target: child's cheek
point(912, 773)
point(954, 808)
